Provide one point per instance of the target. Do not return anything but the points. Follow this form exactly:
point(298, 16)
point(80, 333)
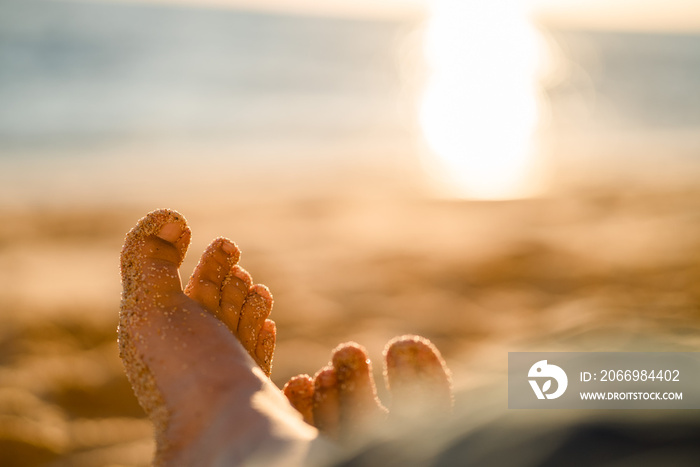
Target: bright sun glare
point(479, 110)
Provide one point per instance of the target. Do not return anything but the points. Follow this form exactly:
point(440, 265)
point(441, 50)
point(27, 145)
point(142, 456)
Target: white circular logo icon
point(546, 372)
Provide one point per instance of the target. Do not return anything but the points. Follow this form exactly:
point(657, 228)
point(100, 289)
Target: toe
point(326, 403)
point(265, 346)
point(233, 294)
point(256, 308)
point(417, 378)
point(205, 285)
point(153, 250)
point(300, 392)
point(359, 405)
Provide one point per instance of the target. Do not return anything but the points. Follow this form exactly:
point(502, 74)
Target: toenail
point(170, 232)
point(229, 247)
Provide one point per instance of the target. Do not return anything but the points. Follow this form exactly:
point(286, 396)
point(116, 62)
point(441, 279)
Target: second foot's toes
point(214, 269)
point(417, 378)
point(344, 404)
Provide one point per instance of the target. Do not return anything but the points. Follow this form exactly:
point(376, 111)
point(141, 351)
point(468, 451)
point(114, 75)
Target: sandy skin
point(199, 361)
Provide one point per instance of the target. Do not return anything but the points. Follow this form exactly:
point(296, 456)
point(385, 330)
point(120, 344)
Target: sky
point(661, 15)
point(644, 15)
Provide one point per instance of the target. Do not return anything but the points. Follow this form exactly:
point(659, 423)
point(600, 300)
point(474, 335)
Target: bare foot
point(341, 400)
point(206, 391)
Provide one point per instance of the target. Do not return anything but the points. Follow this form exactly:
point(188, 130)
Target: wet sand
point(603, 271)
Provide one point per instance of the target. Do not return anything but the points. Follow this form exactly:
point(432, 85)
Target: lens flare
point(479, 110)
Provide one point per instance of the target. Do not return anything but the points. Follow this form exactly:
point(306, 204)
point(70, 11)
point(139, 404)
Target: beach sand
point(603, 271)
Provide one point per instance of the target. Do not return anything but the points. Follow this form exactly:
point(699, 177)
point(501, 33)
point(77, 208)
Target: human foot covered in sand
point(199, 359)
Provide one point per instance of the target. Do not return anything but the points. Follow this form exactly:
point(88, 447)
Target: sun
point(479, 110)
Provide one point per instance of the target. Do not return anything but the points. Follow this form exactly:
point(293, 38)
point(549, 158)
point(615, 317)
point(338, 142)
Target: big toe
point(152, 253)
point(417, 377)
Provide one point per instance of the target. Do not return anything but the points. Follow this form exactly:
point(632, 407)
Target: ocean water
point(73, 72)
point(77, 76)
point(629, 80)
point(623, 109)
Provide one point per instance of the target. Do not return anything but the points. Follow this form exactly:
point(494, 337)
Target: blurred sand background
point(331, 205)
